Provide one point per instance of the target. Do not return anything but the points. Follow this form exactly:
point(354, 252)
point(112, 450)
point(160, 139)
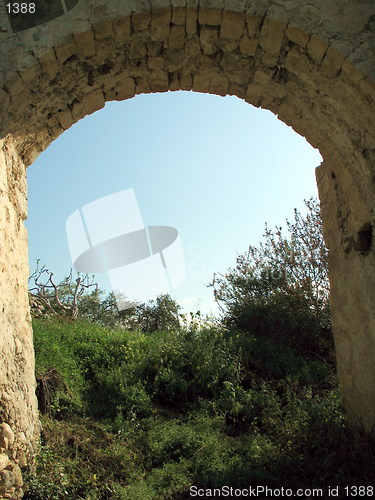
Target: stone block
point(275, 95)
point(351, 73)
point(159, 81)
point(140, 21)
point(186, 81)
point(66, 119)
point(209, 38)
point(125, 89)
point(85, 43)
point(174, 81)
point(210, 17)
point(237, 90)
point(142, 86)
point(174, 60)
point(254, 94)
point(49, 64)
point(78, 111)
point(219, 84)
point(179, 15)
point(17, 90)
point(137, 49)
point(272, 36)
point(332, 63)
point(3, 442)
point(154, 48)
point(54, 128)
point(201, 83)
point(316, 49)
point(229, 45)
point(66, 49)
point(297, 36)
point(4, 461)
point(248, 46)
point(7, 432)
point(232, 25)
point(298, 62)
point(122, 30)
point(17, 474)
point(253, 25)
point(6, 479)
point(103, 30)
point(177, 37)
point(93, 101)
point(22, 460)
point(138, 68)
point(104, 50)
point(30, 74)
point(290, 112)
point(161, 24)
point(191, 22)
point(270, 60)
point(259, 86)
point(239, 69)
point(156, 63)
point(345, 47)
point(192, 48)
point(109, 92)
point(207, 63)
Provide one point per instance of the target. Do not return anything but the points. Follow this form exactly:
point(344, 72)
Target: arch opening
point(240, 158)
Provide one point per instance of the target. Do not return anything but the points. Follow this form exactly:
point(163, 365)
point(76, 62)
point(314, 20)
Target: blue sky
point(214, 168)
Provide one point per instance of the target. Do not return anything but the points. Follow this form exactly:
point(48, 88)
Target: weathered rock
point(22, 460)
point(6, 435)
point(4, 461)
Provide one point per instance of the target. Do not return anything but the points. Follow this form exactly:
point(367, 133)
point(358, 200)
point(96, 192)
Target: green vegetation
point(145, 415)
point(147, 412)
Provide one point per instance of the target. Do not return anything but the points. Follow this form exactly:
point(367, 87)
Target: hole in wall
point(364, 238)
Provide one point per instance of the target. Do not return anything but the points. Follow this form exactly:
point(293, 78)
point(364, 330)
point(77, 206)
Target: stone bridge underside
point(309, 62)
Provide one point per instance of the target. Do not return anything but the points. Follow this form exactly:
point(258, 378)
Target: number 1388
point(21, 8)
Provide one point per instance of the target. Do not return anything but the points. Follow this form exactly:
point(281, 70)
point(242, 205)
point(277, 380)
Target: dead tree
point(62, 298)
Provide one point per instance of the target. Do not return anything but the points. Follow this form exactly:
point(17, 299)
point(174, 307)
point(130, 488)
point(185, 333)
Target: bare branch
point(63, 297)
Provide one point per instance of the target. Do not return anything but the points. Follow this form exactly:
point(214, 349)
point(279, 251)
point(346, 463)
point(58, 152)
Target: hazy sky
point(214, 168)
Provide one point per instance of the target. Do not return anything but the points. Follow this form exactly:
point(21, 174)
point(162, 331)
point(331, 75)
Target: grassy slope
point(146, 416)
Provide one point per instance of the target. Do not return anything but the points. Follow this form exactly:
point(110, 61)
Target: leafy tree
point(280, 288)
point(159, 314)
point(98, 310)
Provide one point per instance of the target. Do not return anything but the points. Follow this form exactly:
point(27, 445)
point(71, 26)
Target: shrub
point(280, 290)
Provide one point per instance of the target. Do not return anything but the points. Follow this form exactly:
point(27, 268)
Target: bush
point(51, 481)
point(163, 410)
point(281, 290)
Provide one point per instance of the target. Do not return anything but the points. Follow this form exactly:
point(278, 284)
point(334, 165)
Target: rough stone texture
point(19, 427)
point(311, 63)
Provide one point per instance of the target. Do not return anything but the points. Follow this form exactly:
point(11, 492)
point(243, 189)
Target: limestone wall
point(19, 426)
point(311, 63)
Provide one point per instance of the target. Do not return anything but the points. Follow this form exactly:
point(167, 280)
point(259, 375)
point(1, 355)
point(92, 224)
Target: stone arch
point(311, 65)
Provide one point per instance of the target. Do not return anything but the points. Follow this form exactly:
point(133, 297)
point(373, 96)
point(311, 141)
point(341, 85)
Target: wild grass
point(147, 415)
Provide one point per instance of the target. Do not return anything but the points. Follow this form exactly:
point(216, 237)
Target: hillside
point(132, 415)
